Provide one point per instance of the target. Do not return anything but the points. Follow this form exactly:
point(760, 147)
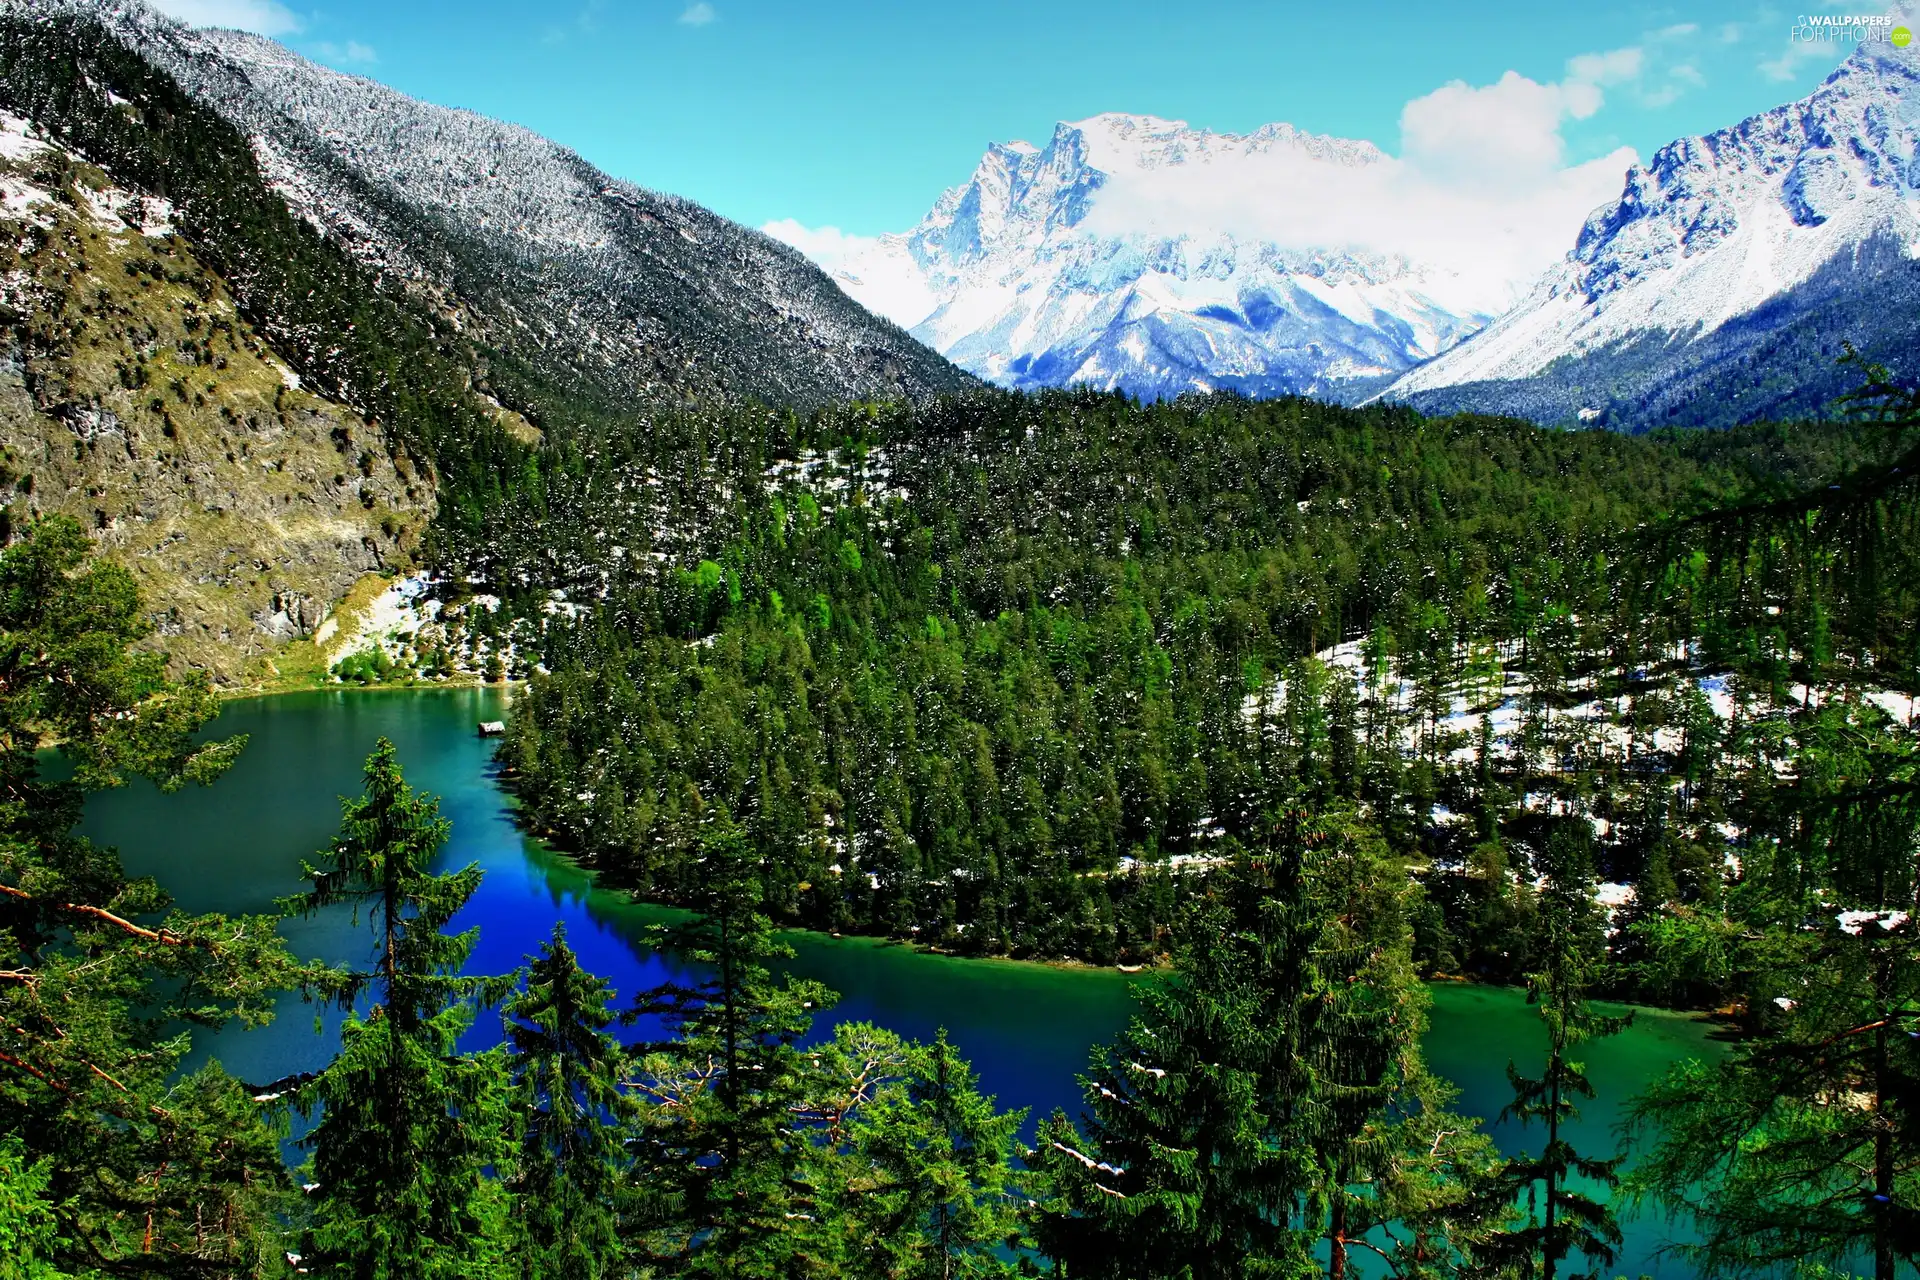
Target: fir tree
point(408, 1125)
point(98, 978)
point(29, 1230)
point(1801, 1145)
point(717, 1159)
point(1561, 1218)
point(570, 1112)
point(1222, 1120)
point(1403, 1177)
point(929, 1191)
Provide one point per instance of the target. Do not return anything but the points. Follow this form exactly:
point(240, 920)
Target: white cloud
point(1508, 128)
point(1616, 66)
point(585, 22)
point(1786, 65)
point(876, 270)
point(352, 53)
point(828, 246)
point(1493, 228)
point(1679, 79)
point(698, 14)
point(1509, 131)
point(1483, 187)
point(263, 17)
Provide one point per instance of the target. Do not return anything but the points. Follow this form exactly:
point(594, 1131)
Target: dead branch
point(165, 937)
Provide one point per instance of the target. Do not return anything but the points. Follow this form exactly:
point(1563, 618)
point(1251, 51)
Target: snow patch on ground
point(400, 610)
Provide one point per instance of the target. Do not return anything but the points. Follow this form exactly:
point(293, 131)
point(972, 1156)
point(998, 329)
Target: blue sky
point(856, 114)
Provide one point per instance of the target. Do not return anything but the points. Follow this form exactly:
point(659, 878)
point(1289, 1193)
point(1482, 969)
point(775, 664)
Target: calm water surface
point(237, 846)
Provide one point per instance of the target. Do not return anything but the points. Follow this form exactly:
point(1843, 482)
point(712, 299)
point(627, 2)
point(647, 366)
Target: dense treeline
point(1268, 1106)
point(982, 673)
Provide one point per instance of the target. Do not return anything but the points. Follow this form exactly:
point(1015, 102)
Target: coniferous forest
point(1302, 706)
point(1298, 708)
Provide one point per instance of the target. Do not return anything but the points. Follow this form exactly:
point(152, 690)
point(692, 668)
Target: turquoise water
point(237, 847)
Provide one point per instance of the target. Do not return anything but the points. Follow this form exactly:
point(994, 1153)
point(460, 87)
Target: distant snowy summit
point(1717, 284)
point(1720, 286)
point(1143, 254)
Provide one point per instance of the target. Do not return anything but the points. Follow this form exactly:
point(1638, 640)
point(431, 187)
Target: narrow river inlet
point(1027, 1028)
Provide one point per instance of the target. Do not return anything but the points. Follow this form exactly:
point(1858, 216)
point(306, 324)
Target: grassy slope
point(141, 403)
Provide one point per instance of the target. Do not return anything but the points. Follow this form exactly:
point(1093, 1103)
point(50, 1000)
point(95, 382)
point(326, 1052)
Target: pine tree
point(926, 1182)
point(717, 1159)
point(570, 1111)
point(408, 1125)
point(1221, 1121)
point(1561, 1218)
point(98, 978)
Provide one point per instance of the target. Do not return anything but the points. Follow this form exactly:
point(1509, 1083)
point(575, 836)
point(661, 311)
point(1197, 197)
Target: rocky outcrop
point(135, 398)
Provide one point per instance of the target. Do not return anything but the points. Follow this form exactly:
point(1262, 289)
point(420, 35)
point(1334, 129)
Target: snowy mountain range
point(1718, 287)
point(519, 244)
point(1128, 252)
point(1098, 259)
point(1721, 284)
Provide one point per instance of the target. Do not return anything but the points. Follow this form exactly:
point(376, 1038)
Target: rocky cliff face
point(346, 318)
point(134, 398)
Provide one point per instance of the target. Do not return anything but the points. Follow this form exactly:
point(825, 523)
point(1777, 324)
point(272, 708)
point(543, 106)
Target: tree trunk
point(1337, 1236)
point(1549, 1247)
point(1883, 1259)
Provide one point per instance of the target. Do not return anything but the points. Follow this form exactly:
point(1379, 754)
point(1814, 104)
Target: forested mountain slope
point(959, 669)
point(591, 283)
point(395, 327)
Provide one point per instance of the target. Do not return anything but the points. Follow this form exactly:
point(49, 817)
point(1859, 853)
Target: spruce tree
point(717, 1156)
point(1561, 1218)
point(1798, 1148)
point(1403, 1177)
point(407, 1124)
point(1223, 1119)
point(926, 1186)
point(1803, 1144)
point(1175, 1174)
point(29, 1229)
point(99, 978)
point(569, 1110)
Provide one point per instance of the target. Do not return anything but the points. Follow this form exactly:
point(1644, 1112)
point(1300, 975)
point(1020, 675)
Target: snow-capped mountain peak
point(1772, 239)
point(1111, 256)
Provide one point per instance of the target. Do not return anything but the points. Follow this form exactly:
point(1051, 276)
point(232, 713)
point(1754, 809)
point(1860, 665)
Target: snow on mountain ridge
point(1099, 258)
point(1722, 228)
point(518, 240)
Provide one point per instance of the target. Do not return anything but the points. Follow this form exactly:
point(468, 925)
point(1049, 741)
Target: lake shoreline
point(1723, 1024)
point(270, 689)
point(553, 846)
point(1027, 1027)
